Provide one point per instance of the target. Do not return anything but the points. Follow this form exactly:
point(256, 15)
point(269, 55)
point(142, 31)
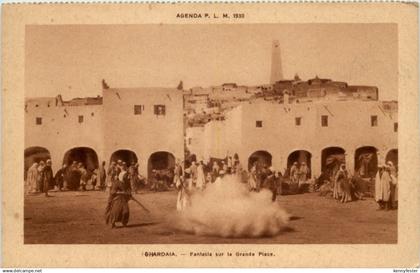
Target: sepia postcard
point(210, 135)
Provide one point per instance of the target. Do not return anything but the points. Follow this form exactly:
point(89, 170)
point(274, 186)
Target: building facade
point(285, 133)
point(143, 125)
point(280, 123)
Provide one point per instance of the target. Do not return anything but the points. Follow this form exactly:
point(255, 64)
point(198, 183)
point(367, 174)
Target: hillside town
point(289, 136)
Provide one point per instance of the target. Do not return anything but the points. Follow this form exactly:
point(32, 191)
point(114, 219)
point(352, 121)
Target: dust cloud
point(226, 208)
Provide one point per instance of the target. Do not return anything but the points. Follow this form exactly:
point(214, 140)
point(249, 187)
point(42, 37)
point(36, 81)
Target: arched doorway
point(160, 161)
point(263, 158)
point(392, 156)
point(126, 156)
point(331, 158)
point(299, 156)
point(84, 155)
point(34, 154)
point(366, 161)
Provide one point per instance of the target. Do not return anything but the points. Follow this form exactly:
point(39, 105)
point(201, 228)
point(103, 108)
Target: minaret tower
point(276, 71)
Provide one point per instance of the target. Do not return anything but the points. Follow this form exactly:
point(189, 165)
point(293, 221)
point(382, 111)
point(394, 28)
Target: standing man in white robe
point(394, 185)
point(201, 180)
point(193, 169)
point(303, 173)
point(31, 178)
point(383, 187)
point(253, 178)
point(294, 173)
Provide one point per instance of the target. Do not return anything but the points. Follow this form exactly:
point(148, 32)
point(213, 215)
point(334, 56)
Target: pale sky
point(72, 60)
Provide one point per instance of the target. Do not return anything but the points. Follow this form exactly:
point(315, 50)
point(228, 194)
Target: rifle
point(134, 199)
point(140, 204)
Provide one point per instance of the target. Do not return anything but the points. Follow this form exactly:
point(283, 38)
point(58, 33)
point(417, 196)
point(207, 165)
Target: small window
point(298, 121)
point(80, 119)
point(373, 121)
point(159, 110)
point(38, 121)
point(92, 114)
point(258, 124)
point(36, 105)
point(189, 141)
point(395, 126)
point(324, 121)
point(138, 109)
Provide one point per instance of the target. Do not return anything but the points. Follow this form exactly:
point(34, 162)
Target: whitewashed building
point(142, 125)
point(284, 133)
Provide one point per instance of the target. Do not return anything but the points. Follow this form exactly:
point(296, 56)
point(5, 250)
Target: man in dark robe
point(117, 209)
point(279, 180)
point(59, 177)
point(133, 173)
point(73, 176)
point(48, 177)
point(215, 171)
point(260, 175)
point(102, 177)
point(357, 187)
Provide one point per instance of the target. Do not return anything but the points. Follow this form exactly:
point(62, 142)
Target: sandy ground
point(77, 218)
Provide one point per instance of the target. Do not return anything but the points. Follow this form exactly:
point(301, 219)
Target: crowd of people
point(76, 177)
point(296, 179)
point(260, 176)
point(122, 181)
point(40, 178)
point(114, 170)
point(299, 172)
point(386, 186)
point(346, 187)
point(197, 175)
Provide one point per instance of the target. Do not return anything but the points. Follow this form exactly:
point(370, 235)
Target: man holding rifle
point(117, 209)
